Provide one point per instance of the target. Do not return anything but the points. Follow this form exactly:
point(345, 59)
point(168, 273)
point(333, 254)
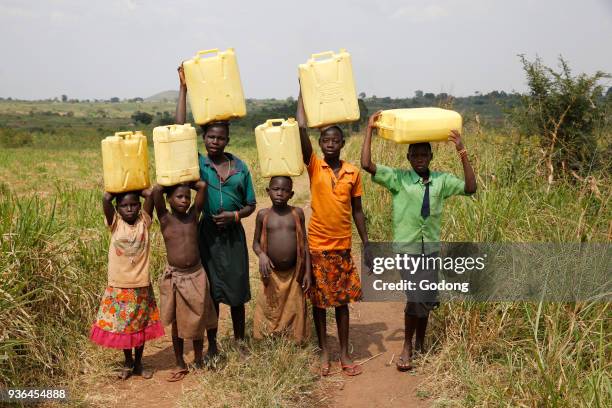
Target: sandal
point(177, 375)
point(142, 372)
point(351, 369)
point(403, 365)
point(325, 369)
point(124, 373)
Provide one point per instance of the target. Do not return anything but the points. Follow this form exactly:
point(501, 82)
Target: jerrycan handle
point(322, 54)
point(203, 52)
point(270, 122)
point(128, 133)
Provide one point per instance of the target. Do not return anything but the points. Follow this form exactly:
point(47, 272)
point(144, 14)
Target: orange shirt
point(330, 224)
point(128, 255)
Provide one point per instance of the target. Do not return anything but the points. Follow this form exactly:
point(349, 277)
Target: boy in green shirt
point(418, 198)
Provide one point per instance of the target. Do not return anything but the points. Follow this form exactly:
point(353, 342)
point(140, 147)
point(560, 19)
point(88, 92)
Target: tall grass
point(512, 354)
point(49, 284)
point(53, 269)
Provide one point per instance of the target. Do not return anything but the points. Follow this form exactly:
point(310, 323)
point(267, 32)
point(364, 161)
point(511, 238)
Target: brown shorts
point(185, 301)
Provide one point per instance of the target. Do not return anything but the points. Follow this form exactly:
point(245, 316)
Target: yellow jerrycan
point(328, 89)
point(125, 162)
point(418, 125)
point(278, 148)
point(214, 87)
point(176, 154)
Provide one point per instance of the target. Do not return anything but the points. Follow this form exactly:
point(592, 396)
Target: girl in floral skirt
point(128, 314)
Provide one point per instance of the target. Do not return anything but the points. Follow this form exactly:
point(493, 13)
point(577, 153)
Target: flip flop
point(325, 369)
point(351, 369)
point(177, 375)
point(403, 365)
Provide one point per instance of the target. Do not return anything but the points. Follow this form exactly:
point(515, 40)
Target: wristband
point(236, 216)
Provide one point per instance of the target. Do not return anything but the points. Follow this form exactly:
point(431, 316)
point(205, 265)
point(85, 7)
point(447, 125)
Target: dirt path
point(375, 328)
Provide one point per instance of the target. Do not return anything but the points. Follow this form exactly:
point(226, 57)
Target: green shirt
point(408, 191)
point(233, 194)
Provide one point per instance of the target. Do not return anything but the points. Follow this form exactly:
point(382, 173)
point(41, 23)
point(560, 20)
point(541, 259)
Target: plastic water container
point(278, 148)
point(328, 89)
point(214, 87)
point(418, 125)
point(125, 162)
point(176, 154)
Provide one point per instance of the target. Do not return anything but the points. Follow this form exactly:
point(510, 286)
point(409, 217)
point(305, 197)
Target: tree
point(429, 95)
point(64, 98)
point(418, 94)
point(165, 119)
point(142, 117)
point(114, 99)
point(363, 116)
point(362, 95)
point(564, 111)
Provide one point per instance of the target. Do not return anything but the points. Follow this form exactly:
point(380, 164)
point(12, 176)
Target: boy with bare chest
point(184, 293)
point(284, 263)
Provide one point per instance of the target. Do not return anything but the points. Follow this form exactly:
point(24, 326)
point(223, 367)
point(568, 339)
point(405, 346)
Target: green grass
point(53, 269)
point(512, 354)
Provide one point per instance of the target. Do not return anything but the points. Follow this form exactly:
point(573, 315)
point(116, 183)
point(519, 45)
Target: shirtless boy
point(184, 294)
point(281, 244)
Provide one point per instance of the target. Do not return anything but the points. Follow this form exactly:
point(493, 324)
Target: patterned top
point(330, 225)
point(233, 194)
point(128, 255)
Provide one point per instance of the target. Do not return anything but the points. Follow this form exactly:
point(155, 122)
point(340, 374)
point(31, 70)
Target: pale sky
point(129, 48)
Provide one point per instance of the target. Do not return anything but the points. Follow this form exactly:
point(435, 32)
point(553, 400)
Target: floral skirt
point(335, 278)
point(127, 318)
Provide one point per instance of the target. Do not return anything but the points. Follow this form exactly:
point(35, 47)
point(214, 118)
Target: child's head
point(419, 155)
point(128, 206)
point(179, 198)
point(331, 141)
point(216, 137)
point(280, 190)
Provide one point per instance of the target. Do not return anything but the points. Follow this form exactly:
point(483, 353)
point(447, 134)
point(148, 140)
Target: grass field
point(54, 249)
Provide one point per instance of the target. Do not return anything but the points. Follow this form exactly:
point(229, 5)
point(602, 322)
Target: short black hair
point(224, 124)
point(417, 145)
point(281, 177)
point(326, 128)
point(119, 197)
point(171, 189)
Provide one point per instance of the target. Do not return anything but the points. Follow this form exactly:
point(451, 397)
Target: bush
point(13, 138)
point(142, 117)
point(564, 111)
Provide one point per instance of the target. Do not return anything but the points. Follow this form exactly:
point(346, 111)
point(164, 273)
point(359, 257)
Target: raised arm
point(366, 150)
point(300, 116)
point(181, 105)
point(160, 201)
point(107, 206)
point(468, 171)
point(148, 201)
point(200, 198)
